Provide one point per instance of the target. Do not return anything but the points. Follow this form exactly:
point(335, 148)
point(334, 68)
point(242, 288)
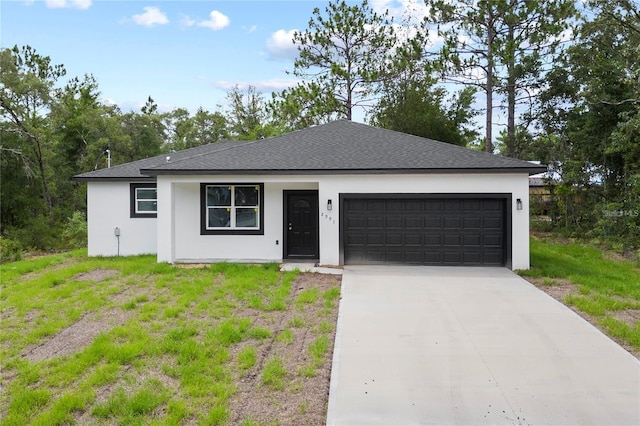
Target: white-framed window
point(144, 200)
point(232, 208)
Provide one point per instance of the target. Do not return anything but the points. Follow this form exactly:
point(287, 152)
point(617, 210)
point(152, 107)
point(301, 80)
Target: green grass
point(605, 286)
point(273, 374)
point(173, 353)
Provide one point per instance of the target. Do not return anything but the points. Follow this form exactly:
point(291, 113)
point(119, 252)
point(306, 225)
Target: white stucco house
point(338, 193)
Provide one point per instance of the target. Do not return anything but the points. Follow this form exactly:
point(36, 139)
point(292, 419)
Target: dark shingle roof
point(131, 171)
point(338, 147)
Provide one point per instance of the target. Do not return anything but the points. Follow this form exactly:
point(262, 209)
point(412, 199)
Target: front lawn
point(603, 288)
point(130, 341)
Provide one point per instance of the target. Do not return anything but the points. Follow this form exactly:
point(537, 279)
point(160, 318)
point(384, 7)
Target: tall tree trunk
point(489, 85)
point(511, 98)
point(46, 193)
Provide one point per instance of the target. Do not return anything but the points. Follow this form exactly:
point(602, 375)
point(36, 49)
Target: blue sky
point(181, 53)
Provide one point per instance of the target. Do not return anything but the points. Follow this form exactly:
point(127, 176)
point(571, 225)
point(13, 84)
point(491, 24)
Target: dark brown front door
point(301, 224)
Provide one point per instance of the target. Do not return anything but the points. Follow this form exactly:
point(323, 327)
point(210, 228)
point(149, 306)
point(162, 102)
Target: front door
point(301, 224)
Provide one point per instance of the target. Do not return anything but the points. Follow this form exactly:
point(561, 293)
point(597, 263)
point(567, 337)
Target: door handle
point(290, 226)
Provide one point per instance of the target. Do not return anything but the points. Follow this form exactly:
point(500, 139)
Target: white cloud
point(265, 86)
point(186, 21)
point(411, 10)
point(217, 21)
point(280, 45)
point(151, 16)
point(250, 29)
point(59, 4)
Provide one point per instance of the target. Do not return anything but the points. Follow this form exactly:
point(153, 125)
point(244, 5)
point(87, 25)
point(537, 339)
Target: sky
point(184, 54)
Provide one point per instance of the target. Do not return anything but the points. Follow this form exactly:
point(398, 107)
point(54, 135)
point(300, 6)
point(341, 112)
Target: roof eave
point(502, 170)
point(114, 179)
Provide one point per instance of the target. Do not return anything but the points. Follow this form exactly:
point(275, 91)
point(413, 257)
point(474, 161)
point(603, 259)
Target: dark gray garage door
point(424, 231)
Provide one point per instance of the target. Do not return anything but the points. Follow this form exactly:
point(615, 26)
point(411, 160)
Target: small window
point(234, 209)
point(144, 200)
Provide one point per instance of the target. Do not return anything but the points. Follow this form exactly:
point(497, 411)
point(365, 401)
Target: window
point(231, 208)
point(144, 200)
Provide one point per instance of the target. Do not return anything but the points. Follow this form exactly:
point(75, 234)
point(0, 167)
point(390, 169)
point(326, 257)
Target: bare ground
point(303, 400)
point(561, 288)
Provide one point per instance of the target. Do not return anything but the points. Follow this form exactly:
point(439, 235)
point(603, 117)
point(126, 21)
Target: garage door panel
point(452, 222)
point(356, 205)
point(394, 256)
point(393, 222)
point(355, 239)
point(472, 258)
point(375, 205)
point(472, 205)
point(452, 240)
point(377, 256)
point(453, 204)
point(353, 222)
point(492, 205)
point(433, 222)
point(394, 205)
point(493, 240)
point(424, 231)
point(452, 258)
point(433, 239)
point(393, 239)
point(472, 240)
point(472, 223)
point(375, 222)
point(413, 239)
point(413, 222)
point(433, 205)
point(433, 258)
point(414, 205)
point(492, 258)
point(375, 240)
point(492, 223)
point(414, 257)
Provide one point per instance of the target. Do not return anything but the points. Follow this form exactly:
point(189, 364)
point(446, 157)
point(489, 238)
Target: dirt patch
point(628, 316)
point(559, 289)
point(37, 274)
point(303, 400)
point(96, 275)
point(75, 337)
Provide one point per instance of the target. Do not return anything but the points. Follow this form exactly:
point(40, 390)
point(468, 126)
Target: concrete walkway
point(471, 346)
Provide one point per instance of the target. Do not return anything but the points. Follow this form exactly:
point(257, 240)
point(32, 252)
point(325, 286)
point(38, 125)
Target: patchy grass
point(604, 289)
point(129, 341)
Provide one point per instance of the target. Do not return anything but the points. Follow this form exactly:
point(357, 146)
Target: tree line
point(560, 79)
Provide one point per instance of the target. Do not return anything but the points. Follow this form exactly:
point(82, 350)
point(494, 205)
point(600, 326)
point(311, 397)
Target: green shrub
point(75, 230)
point(10, 250)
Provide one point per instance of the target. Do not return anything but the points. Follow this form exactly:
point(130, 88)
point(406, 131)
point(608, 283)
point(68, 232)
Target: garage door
point(424, 231)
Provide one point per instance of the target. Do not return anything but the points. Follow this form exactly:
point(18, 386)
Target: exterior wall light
point(518, 204)
point(329, 205)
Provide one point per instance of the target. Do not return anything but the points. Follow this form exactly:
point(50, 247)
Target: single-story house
point(338, 193)
point(540, 193)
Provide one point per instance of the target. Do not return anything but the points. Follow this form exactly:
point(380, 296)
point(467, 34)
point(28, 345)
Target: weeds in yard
point(273, 374)
point(318, 350)
point(166, 346)
point(247, 358)
point(286, 336)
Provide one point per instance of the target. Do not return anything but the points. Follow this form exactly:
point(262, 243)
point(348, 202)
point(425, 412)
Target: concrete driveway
point(471, 346)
